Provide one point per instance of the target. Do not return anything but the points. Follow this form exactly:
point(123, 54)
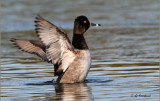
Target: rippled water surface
point(124, 50)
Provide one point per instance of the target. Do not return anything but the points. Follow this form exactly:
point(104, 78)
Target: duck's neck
point(79, 41)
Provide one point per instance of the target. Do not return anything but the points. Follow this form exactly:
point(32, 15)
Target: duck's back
point(78, 69)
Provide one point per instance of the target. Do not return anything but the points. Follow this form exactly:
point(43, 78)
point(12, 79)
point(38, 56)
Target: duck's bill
point(96, 25)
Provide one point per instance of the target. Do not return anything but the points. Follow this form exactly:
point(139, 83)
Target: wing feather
point(32, 47)
point(59, 50)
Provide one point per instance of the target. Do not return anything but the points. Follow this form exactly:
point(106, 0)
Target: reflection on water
point(125, 51)
point(72, 92)
point(67, 92)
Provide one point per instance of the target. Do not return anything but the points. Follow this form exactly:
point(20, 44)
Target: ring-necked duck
point(71, 61)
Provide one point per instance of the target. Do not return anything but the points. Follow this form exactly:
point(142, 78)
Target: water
point(125, 51)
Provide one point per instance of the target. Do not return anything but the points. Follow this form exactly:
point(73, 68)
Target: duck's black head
point(81, 24)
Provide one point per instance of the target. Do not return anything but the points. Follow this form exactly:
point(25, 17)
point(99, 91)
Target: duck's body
point(71, 61)
point(78, 69)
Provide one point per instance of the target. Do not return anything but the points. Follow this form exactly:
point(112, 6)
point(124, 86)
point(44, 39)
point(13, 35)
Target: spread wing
point(59, 50)
point(32, 47)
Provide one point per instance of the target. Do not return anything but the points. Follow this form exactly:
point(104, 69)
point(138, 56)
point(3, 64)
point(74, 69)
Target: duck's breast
point(83, 62)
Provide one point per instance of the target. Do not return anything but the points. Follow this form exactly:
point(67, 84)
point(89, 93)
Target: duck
point(71, 61)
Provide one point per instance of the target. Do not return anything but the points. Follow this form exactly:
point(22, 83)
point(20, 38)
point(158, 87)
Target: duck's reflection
point(68, 92)
point(72, 92)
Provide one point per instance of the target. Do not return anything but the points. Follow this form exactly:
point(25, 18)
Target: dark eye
point(85, 21)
